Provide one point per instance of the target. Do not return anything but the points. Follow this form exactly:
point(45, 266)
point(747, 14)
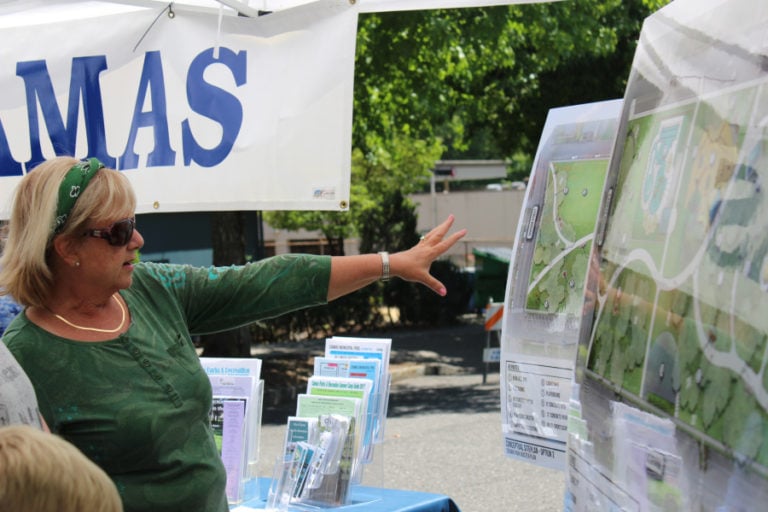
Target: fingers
point(439, 243)
point(436, 235)
point(435, 285)
point(455, 237)
point(440, 289)
point(440, 230)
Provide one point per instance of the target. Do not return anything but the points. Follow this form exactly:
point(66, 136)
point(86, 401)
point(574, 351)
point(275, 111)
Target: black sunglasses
point(118, 234)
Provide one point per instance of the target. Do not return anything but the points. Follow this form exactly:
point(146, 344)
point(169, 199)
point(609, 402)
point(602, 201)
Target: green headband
point(73, 184)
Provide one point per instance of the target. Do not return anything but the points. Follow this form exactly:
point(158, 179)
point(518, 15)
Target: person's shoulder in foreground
point(18, 403)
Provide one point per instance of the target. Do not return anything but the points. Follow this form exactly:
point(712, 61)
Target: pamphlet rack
point(331, 443)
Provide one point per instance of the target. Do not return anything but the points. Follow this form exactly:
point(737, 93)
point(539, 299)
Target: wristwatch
point(384, 265)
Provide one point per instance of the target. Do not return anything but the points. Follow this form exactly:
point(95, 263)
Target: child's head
point(41, 472)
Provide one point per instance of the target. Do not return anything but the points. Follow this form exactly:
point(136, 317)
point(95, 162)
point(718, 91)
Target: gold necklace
point(94, 329)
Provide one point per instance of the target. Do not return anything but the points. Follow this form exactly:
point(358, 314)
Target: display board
point(545, 287)
point(670, 409)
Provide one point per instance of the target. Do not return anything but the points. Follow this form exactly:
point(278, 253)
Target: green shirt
point(138, 405)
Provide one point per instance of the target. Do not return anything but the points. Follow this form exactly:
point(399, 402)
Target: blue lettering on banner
point(156, 117)
point(202, 97)
point(215, 104)
point(84, 83)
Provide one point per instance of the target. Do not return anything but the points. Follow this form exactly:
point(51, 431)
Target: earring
point(77, 263)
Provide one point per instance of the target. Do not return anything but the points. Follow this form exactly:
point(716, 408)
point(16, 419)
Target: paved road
point(443, 432)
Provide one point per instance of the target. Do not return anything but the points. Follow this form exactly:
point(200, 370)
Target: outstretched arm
point(350, 273)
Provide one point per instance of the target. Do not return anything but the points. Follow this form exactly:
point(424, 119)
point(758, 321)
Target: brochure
point(330, 473)
point(318, 473)
point(337, 422)
point(342, 387)
point(358, 369)
point(313, 406)
point(302, 457)
point(367, 348)
point(232, 366)
point(352, 388)
point(216, 367)
point(321, 446)
point(298, 430)
point(232, 399)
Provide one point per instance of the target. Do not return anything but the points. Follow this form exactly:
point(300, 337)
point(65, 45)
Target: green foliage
point(356, 312)
point(392, 225)
point(483, 79)
point(461, 83)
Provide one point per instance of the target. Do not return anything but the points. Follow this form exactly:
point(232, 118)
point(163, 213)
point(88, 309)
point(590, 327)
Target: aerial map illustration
point(545, 290)
point(671, 403)
point(683, 267)
point(564, 240)
point(562, 201)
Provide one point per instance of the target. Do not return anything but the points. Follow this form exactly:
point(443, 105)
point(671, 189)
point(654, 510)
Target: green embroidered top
point(138, 405)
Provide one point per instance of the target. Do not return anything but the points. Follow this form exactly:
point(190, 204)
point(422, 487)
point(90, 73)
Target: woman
point(106, 341)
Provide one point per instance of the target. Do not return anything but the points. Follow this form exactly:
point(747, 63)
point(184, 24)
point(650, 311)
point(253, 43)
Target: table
point(369, 499)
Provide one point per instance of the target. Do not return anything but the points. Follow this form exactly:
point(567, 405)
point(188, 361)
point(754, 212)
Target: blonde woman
point(106, 341)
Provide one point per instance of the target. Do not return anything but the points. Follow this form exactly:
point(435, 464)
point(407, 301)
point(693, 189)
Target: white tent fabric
point(203, 109)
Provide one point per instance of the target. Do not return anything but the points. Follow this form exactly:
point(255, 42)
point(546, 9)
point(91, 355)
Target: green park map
point(681, 324)
point(564, 241)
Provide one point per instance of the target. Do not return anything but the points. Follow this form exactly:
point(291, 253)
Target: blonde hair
point(25, 271)
point(41, 472)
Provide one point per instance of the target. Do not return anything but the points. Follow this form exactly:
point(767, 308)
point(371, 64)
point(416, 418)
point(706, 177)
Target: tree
point(468, 83)
point(482, 79)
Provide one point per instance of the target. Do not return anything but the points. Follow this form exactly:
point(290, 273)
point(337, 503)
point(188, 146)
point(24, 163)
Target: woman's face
point(109, 252)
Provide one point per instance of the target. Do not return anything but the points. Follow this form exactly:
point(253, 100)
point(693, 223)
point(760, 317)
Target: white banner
point(202, 112)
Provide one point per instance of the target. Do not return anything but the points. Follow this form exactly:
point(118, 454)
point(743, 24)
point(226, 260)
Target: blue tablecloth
point(370, 499)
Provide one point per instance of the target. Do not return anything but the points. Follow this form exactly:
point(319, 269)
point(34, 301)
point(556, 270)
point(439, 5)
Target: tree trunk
point(228, 238)
point(228, 241)
point(336, 245)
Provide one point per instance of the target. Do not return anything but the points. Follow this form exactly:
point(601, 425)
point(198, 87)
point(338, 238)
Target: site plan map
point(545, 289)
point(672, 396)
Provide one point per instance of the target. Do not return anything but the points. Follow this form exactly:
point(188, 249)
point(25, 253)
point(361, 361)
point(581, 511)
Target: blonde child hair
point(41, 472)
